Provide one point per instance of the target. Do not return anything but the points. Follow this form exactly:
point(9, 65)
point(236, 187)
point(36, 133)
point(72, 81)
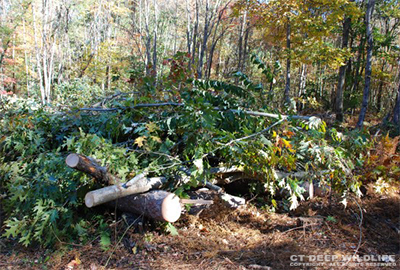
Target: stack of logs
point(141, 194)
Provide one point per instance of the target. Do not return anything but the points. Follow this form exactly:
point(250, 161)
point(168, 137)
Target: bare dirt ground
point(248, 238)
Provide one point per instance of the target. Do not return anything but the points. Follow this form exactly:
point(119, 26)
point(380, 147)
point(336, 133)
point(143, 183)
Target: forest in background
point(315, 51)
point(286, 92)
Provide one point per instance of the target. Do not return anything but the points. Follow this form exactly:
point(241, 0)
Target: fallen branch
point(145, 105)
point(253, 113)
point(138, 184)
point(90, 166)
point(230, 200)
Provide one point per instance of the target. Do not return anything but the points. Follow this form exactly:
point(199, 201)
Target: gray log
point(157, 204)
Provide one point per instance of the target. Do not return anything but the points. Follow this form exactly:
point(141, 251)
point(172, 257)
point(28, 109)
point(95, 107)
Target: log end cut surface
point(89, 200)
point(171, 208)
point(72, 160)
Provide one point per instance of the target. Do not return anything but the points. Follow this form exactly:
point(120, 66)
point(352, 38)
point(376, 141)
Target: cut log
point(90, 166)
point(157, 204)
point(138, 184)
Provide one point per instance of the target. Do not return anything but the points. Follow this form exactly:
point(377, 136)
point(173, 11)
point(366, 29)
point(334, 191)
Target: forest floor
point(247, 238)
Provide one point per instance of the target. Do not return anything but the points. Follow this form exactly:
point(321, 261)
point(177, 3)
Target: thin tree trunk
point(245, 47)
point(215, 40)
point(26, 61)
point(205, 39)
point(342, 73)
point(302, 83)
point(243, 20)
point(368, 69)
point(287, 86)
point(358, 66)
point(148, 38)
point(396, 109)
point(189, 34)
point(38, 62)
point(155, 32)
point(195, 32)
point(380, 88)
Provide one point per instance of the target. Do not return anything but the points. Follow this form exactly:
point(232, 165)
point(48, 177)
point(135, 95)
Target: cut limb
point(90, 166)
point(106, 194)
point(230, 200)
point(196, 201)
point(157, 204)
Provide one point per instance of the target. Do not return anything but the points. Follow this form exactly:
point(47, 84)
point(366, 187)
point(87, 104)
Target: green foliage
point(77, 92)
point(169, 228)
point(45, 198)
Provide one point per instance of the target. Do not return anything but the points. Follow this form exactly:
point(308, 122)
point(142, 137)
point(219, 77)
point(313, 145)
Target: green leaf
point(171, 229)
point(105, 241)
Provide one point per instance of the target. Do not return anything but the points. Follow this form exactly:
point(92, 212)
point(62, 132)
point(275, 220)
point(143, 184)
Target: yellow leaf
point(151, 127)
point(157, 139)
point(140, 140)
point(286, 143)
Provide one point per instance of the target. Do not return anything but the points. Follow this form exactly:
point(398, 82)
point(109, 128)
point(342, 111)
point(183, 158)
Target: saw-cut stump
point(157, 204)
point(90, 166)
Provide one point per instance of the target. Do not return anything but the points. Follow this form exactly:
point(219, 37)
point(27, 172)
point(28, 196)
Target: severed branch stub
point(230, 200)
point(90, 166)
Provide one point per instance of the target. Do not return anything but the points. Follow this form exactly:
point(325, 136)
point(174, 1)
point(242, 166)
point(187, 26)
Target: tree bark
point(195, 33)
point(342, 72)
point(138, 184)
point(157, 204)
point(368, 69)
point(287, 86)
point(380, 88)
point(90, 166)
point(204, 41)
point(396, 109)
point(357, 65)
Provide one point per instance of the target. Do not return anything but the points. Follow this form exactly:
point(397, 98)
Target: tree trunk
point(368, 69)
point(155, 33)
point(287, 86)
point(189, 34)
point(380, 88)
point(38, 56)
point(396, 109)
point(157, 204)
point(204, 42)
point(195, 32)
point(243, 20)
point(302, 84)
point(342, 72)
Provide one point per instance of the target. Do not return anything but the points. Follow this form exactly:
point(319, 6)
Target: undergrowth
point(43, 198)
